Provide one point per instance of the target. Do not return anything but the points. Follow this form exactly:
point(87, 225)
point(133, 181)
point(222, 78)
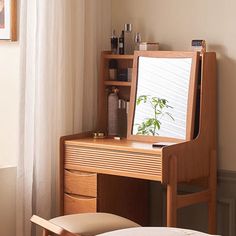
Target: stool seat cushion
point(154, 231)
point(90, 224)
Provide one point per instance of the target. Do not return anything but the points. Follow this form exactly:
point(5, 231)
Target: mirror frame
point(191, 95)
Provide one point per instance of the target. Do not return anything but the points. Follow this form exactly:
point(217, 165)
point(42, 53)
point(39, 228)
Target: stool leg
point(172, 193)
point(212, 202)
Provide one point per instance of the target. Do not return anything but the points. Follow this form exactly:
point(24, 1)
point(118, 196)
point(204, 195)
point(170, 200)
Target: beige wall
point(9, 102)
point(7, 202)
point(174, 24)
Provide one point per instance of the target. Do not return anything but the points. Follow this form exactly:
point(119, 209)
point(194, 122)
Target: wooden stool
point(85, 224)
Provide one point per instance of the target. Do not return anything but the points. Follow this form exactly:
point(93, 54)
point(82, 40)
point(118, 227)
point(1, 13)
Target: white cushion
point(90, 224)
point(154, 231)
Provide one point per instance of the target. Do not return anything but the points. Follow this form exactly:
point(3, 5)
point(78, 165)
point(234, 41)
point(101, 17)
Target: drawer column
point(80, 192)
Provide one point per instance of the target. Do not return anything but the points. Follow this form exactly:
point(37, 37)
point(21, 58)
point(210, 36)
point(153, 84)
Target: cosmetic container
point(121, 43)
point(114, 43)
point(128, 39)
point(113, 112)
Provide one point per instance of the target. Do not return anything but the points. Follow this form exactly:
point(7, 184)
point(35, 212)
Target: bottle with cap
point(121, 43)
point(113, 112)
point(114, 42)
point(128, 39)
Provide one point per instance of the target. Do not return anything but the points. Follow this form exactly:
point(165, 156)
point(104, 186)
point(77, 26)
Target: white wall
point(174, 24)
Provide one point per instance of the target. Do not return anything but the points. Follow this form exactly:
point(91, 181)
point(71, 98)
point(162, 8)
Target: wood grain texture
point(123, 196)
point(105, 86)
point(117, 83)
point(114, 145)
point(119, 162)
point(193, 198)
point(81, 183)
point(61, 165)
point(108, 55)
point(74, 204)
point(194, 156)
point(172, 193)
point(13, 20)
point(196, 159)
point(185, 161)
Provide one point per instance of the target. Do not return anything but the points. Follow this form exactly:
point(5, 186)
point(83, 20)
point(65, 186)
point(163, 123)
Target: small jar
point(113, 70)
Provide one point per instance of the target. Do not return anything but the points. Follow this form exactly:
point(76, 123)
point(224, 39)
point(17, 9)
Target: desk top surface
point(112, 144)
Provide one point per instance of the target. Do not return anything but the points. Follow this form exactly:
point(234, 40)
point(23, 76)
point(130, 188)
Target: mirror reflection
point(162, 97)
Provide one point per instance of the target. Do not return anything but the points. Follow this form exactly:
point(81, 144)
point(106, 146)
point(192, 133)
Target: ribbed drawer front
point(78, 204)
point(81, 183)
point(104, 159)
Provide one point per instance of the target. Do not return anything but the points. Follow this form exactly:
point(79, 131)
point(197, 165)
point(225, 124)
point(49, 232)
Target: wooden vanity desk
point(112, 175)
point(116, 157)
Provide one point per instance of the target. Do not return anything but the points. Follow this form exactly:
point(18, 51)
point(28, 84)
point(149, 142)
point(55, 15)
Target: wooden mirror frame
point(191, 95)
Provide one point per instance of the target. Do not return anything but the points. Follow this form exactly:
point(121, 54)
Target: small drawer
point(80, 183)
point(78, 204)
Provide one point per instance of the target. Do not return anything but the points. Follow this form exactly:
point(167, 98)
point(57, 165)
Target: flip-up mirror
point(163, 96)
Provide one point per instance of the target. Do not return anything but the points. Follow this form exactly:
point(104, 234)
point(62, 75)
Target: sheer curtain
point(60, 44)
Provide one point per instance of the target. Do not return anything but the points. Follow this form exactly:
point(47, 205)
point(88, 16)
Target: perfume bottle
point(121, 43)
point(114, 42)
point(128, 39)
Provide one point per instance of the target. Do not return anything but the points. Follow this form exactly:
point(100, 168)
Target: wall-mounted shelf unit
point(106, 85)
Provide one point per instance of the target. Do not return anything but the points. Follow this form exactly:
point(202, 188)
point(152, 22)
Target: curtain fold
point(60, 44)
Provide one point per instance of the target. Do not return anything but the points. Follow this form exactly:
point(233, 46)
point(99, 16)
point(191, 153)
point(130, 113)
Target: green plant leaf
point(150, 125)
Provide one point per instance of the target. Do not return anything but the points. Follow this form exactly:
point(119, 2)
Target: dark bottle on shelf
point(114, 42)
point(121, 43)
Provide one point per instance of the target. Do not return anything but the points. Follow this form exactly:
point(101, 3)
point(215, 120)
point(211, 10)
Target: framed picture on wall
point(8, 9)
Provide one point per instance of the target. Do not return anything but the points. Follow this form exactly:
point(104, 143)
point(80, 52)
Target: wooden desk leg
point(212, 202)
point(172, 193)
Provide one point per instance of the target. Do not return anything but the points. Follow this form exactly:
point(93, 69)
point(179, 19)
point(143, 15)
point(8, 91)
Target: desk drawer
point(115, 162)
point(81, 183)
point(78, 204)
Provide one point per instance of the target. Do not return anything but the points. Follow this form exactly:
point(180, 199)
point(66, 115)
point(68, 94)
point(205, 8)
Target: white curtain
point(60, 44)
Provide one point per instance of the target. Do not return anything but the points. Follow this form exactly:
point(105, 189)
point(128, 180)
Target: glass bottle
point(129, 39)
point(121, 43)
point(113, 112)
point(114, 42)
